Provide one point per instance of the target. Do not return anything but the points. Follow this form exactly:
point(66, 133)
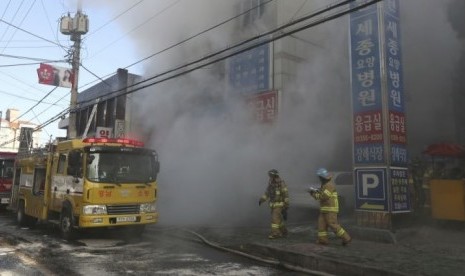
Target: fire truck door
point(36, 205)
point(14, 190)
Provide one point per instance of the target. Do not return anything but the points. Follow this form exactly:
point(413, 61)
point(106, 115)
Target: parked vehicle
point(89, 183)
point(346, 191)
point(7, 160)
point(344, 181)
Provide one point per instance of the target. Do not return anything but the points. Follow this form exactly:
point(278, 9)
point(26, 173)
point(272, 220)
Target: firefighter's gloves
point(312, 191)
point(261, 201)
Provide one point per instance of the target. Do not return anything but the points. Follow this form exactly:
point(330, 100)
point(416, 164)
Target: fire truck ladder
point(91, 117)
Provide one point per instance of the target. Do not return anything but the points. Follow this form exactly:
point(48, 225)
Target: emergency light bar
point(114, 140)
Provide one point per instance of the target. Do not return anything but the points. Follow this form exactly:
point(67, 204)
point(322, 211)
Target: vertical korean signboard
point(400, 201)
point(378, 108)
point(249, 71)
point(366, 88)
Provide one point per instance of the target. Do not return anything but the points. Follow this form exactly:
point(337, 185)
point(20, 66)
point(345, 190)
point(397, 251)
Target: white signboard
point(104, 132)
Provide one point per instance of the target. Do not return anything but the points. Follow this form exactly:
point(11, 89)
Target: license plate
point(125, 219)
point(5, 200)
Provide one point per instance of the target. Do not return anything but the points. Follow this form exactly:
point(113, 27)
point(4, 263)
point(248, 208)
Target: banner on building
point(264, 106)
point(54, 75)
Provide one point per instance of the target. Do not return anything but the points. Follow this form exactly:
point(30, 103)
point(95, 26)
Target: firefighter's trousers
point(278, 228)
point(326, 220)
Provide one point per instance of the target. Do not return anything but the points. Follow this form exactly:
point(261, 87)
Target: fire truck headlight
point(95, 210)
point(148, 207)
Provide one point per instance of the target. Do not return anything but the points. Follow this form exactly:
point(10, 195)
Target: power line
point(266, 41)
point(20, 23)
point(14, 16)
point(30, 58)
point(113, 19)
point(202, 32)
point(240, 44)
point(24, 98)
point(191, 37)
point(29, 33)
point(43, 98)
point(138, 26)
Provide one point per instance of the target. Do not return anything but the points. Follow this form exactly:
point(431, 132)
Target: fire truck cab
point(87, 183)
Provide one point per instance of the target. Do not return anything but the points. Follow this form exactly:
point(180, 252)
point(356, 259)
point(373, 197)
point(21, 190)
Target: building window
point(254, 14)
point(61, 164)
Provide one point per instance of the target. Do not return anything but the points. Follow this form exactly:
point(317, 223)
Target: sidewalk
point(416, 250)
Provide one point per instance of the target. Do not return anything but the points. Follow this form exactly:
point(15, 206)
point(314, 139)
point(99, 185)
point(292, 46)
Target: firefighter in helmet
point(329, 207)
point(278, 197)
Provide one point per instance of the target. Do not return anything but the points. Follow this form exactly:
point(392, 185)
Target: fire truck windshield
point(120, 167)
point(6, 168)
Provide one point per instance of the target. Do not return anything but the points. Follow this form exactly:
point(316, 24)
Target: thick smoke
point(214, 156)
point(431, 52)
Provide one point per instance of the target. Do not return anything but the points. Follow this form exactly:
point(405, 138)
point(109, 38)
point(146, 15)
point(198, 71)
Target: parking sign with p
point(371, 189)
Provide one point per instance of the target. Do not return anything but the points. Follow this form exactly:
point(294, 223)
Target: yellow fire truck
point(87, 183)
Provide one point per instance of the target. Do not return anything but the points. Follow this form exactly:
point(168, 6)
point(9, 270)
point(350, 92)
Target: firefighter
point(278, 197)
point(329, 207)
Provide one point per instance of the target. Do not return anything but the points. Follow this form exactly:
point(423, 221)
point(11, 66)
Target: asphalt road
point(160, 251)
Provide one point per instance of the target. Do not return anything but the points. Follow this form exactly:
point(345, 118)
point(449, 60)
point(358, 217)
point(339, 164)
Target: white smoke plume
point(214, 157)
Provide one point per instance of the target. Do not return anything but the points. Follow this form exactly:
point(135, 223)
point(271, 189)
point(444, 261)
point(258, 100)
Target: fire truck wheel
point(67, 225)
point(23, 219)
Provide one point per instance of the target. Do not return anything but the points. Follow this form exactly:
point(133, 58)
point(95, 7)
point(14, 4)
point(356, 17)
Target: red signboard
point(397, 127)
point(54, 75)
point(264, 106)
point(368, 127)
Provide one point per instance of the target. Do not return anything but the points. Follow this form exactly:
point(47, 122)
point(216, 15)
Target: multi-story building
point(308, 76)
point(10, 129)
point(104, 110)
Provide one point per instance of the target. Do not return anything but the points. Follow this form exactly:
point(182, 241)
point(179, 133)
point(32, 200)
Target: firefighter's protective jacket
point(327, 195)
point(277, 194)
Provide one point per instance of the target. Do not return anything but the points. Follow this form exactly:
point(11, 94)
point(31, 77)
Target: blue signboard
point(394, 83)
point(365, 61)
point(379, 123)
point(249, 71)
point(400, 199)
point(368, 153)
point(371, 189)
point(366, 87)
point(393, 56)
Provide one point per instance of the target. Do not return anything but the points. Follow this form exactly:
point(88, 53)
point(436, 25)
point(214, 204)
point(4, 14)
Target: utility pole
point(75, 27)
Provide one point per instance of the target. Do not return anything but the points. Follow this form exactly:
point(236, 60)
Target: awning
point(445, 150)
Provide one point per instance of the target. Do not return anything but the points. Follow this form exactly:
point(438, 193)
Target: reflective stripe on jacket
point(277, 194)
point(327, 196)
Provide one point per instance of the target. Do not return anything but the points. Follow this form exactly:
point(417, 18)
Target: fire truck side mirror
point(156, 167)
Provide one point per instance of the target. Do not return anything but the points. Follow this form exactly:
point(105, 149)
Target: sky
point(29, 33)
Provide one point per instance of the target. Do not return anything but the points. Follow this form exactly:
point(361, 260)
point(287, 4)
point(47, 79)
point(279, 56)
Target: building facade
point(104, 110)
point(10, 129)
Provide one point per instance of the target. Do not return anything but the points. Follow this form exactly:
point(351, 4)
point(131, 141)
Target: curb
point(308, 263)
point(372, 234)
point(315, 262)
point(291, 266)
